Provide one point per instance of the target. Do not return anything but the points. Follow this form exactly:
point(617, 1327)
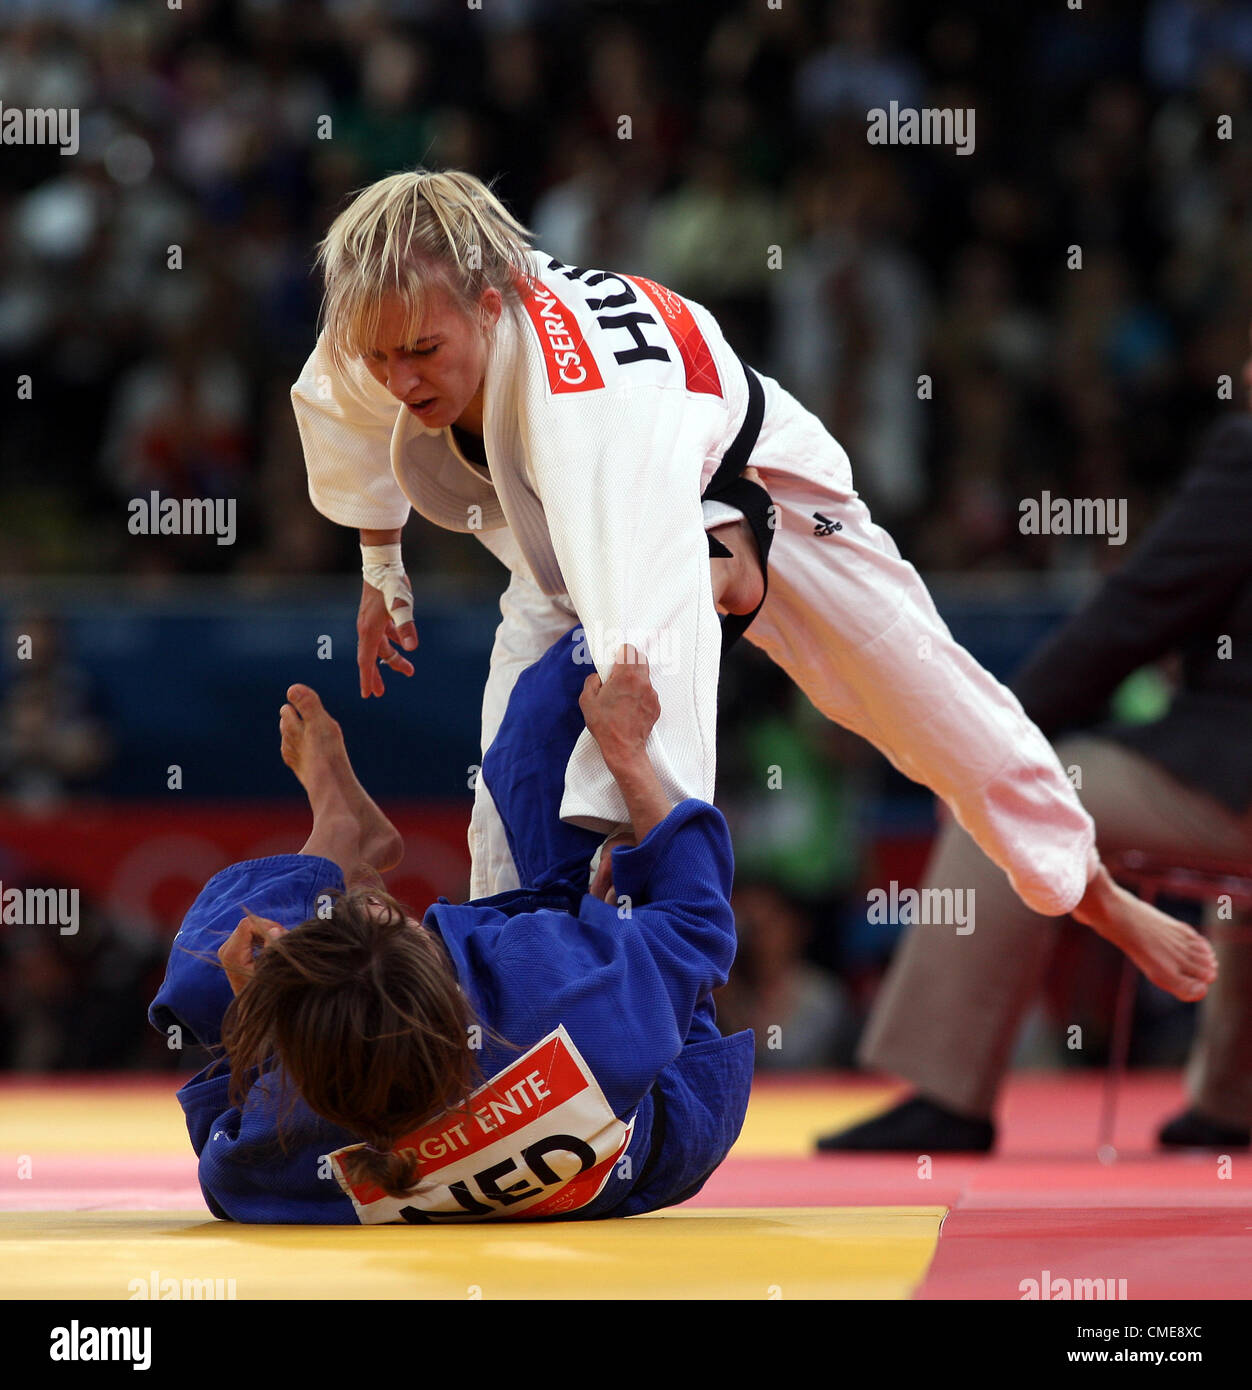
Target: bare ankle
point(1101, 906)
point(336, 836)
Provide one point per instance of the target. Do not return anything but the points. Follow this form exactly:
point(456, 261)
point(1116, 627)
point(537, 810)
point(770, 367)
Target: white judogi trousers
point(854, 626)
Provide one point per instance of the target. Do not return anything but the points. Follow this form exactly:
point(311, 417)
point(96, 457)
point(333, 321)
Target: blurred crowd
point(156, 288)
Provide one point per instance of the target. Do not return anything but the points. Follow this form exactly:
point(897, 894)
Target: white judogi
point(609, 402)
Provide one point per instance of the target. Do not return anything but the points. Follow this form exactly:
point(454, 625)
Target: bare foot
point(313, 748)
point(1171, 954)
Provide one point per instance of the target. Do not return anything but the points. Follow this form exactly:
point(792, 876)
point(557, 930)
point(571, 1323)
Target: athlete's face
point(438, 373)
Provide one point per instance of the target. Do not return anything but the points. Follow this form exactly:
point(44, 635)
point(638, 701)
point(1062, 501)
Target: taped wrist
point(382, 567)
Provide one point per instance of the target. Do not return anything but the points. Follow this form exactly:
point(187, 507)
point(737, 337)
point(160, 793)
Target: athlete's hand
point(375, 634)
point(621, 711)
point(239, 951)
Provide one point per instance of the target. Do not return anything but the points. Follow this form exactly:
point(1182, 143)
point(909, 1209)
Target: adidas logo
point(825, 526)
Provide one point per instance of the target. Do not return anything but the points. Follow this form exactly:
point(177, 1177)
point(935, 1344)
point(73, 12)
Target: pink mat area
point(1161, 1252)
point(106, 1182)
point(1001, 1184)
point(1045, 1157)
point(1043, 1207)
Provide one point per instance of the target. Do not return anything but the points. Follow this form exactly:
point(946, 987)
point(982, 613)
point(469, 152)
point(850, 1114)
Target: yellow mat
point(741, 1253)
point(782, 1120)
point(780, 1253)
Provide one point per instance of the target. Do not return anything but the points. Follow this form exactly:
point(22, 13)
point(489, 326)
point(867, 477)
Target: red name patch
point(570, 364)
point(539, 1139)
point(697, 359)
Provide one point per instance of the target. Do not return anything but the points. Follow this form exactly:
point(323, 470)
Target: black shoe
point(914, 1126)
point(1191, 1130)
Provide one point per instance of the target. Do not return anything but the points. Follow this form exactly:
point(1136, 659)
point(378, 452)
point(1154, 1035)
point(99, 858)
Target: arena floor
point(99, 1191)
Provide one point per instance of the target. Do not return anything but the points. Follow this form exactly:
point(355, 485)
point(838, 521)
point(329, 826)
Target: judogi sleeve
point(346, 421)
point(245, 1173)
point(617, 473)
point(251, 1172)
point(678, 883)
point(625, 979)
point(195, 993)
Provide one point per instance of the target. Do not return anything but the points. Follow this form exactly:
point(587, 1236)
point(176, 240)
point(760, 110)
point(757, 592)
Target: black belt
point(730, 486)
point(657, 1140)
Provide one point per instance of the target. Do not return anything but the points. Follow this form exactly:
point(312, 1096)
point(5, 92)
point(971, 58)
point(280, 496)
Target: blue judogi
point(631, 988)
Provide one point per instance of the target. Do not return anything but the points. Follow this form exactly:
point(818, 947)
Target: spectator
point(51, 737)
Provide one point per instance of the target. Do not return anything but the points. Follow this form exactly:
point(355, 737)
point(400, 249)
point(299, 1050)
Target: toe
point(305, 699)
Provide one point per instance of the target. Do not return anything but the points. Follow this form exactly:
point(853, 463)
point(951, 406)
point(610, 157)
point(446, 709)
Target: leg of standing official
point(949, 1011)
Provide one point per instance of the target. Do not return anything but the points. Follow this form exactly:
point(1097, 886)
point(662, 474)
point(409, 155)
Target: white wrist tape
point(382, 567)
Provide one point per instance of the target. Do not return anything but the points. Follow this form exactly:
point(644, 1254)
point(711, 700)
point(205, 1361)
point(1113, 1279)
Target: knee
point(1078, 754)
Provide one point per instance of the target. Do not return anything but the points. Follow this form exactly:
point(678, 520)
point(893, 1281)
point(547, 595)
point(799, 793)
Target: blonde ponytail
point(406, 234)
